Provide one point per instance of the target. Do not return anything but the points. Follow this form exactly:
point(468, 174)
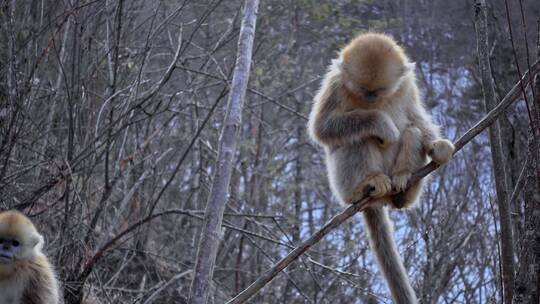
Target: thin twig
point(532, 117)
point(175, 278)
point(99, 253)
point(520, 181)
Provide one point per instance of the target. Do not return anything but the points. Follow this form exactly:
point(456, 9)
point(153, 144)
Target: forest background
point(111, 110)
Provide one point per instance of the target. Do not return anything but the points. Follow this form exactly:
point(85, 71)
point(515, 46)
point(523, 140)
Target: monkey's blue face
point(9, 249)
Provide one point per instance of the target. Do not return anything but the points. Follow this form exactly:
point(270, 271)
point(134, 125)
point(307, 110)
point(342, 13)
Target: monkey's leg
point(355, 170)
point(407, 198)
point(411, 156)
point(375, 185)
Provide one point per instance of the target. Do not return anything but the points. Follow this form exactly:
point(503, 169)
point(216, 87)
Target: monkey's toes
point(441, 151)
point(400, 180)
point(376, 186)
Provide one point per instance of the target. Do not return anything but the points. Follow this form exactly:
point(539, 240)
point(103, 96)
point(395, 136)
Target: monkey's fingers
point(400, 180)
point(377, 185)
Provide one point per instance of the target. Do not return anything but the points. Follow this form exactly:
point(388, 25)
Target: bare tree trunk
point(527, 280)
point(527, 289)
point(488, 89)
point(210, 236)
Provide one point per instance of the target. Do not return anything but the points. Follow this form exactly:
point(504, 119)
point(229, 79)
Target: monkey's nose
point(371, 95)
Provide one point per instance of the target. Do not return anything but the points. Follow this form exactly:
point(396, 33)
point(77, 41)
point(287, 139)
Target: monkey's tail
point(382, 242)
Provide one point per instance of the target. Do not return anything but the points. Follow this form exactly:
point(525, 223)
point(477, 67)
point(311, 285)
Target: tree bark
point(527, 288)
point(527, 279)
point(213, 217)
point(488, 89)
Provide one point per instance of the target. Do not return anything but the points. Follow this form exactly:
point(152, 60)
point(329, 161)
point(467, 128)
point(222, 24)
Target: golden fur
point(26, 277)
point(375, 131)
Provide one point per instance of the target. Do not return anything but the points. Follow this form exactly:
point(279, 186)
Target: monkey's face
point(373, 68)
point(9, 249)
point(373, 88)
point(13, 248)
point(18, 238)
point(365, 92)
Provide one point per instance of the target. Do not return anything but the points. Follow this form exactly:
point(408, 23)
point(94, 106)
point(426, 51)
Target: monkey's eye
point(15, 243)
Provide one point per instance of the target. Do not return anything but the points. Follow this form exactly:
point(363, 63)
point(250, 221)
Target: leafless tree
point(217, 199)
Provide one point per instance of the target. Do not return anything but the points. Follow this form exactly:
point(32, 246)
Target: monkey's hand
point(376, 186)
point(441, 151)
point(400, 180)
point(331, 125)
point(389, 133)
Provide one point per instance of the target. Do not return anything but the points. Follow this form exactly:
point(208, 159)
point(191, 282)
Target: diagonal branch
point(337, 220)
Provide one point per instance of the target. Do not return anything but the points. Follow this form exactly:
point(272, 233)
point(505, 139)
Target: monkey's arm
point(331, 126)
point(438, 148)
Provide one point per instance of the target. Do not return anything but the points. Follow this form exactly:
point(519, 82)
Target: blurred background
point(110, 112)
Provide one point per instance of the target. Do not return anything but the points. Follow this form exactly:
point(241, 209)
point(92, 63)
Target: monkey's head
point(19, 238)
point(373, 67)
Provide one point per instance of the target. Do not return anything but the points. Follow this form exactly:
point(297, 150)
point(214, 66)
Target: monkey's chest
point(11, 291)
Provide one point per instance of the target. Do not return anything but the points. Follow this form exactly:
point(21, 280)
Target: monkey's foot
point(441, 151)
point(376, 185)
point(400, 180)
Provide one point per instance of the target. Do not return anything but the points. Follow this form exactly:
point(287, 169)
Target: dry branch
point(362, 204)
